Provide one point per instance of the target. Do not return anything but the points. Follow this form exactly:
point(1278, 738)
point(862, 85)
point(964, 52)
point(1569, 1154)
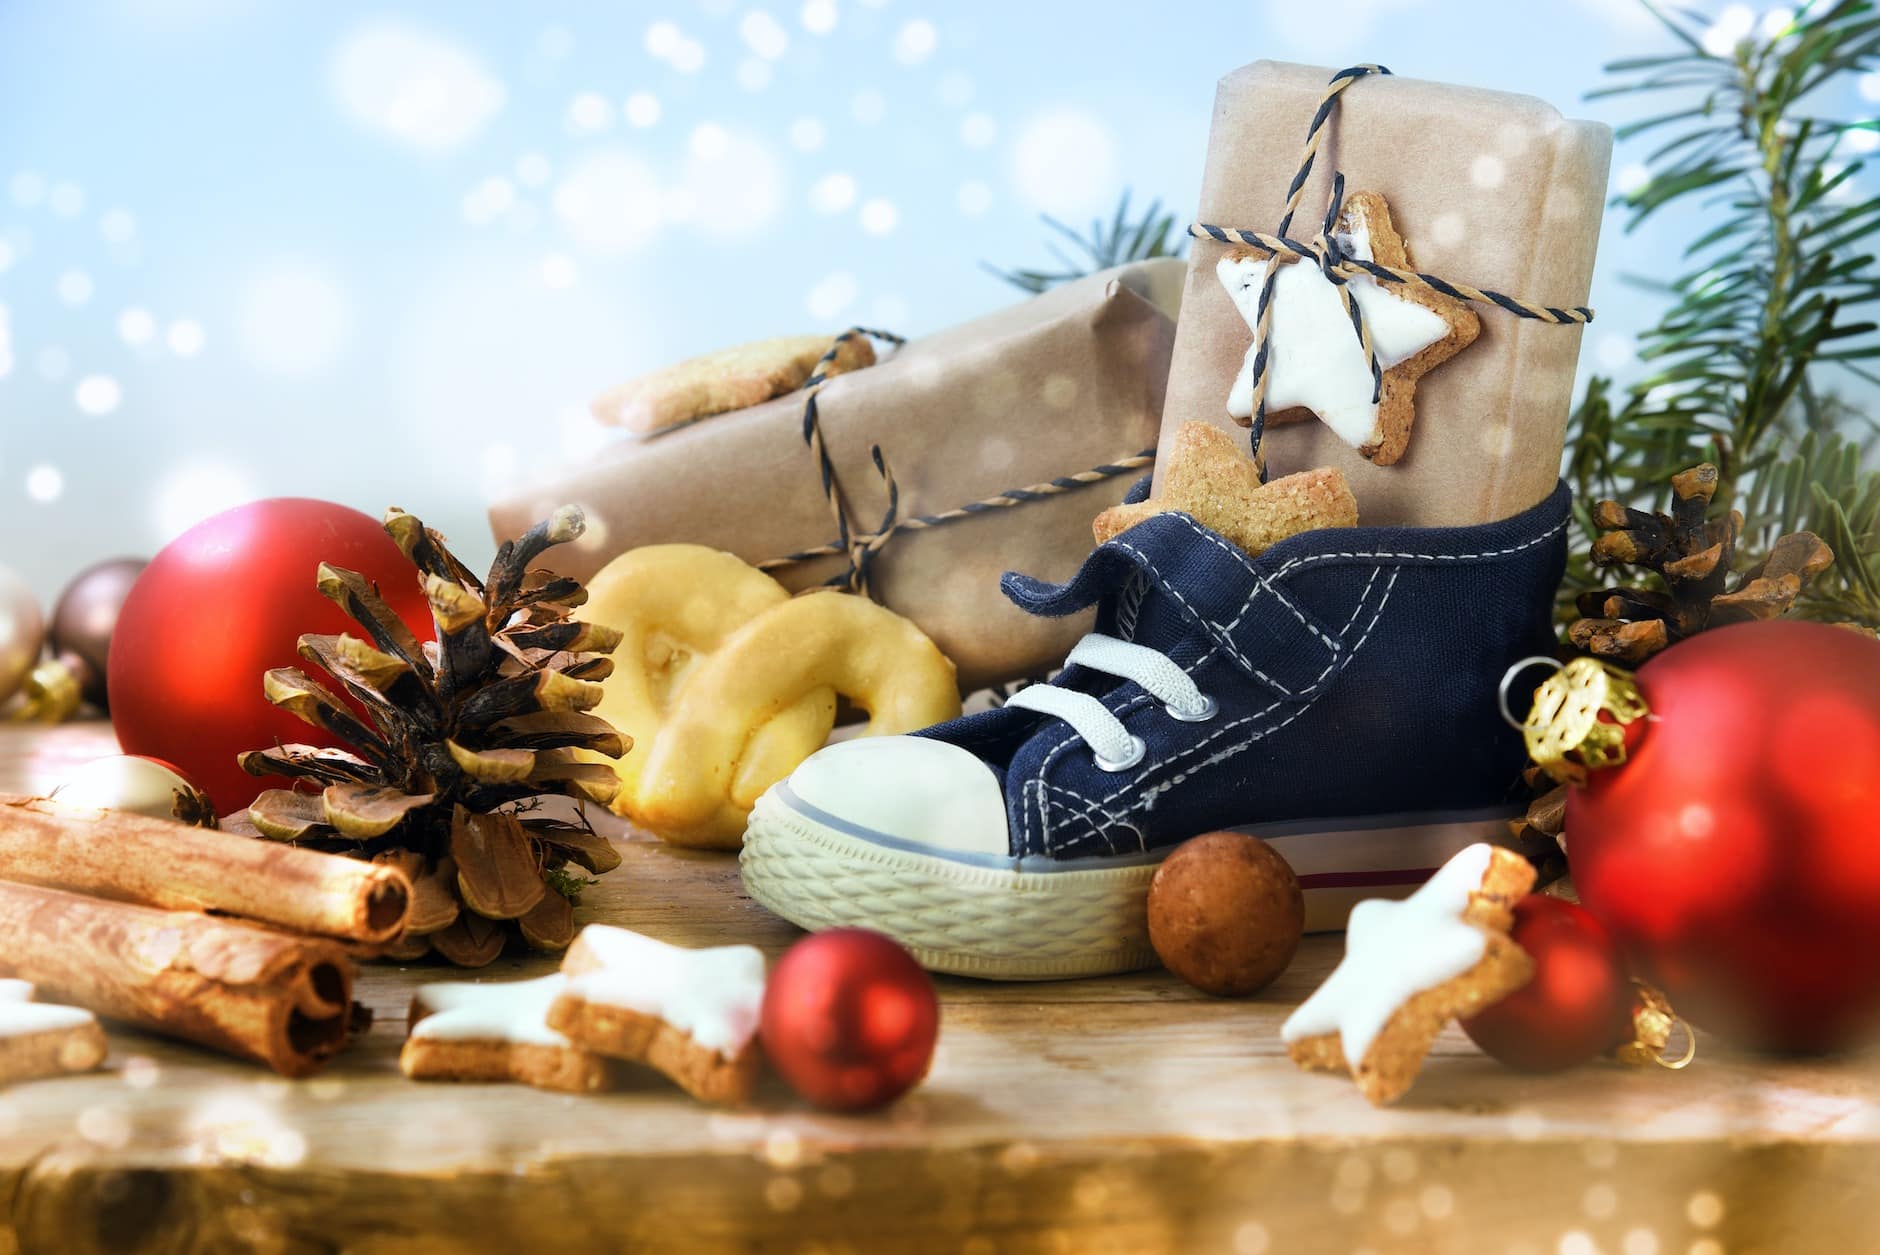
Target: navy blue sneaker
point(1335, 696)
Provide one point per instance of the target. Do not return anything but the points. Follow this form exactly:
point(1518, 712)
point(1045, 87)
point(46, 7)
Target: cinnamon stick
point(252, 992)
point(156, 862)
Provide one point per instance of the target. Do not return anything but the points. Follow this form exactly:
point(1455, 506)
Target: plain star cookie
point(1206, 476)
point(1315, 362)
point(1410, 967)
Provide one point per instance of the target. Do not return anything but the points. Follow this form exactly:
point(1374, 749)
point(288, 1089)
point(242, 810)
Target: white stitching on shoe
point(1261, 583)
point(1530, 543)
point(1205, 741)
point(1071, 737)
point(1241, 557)
point(1090, 804)
point(1149, 795)
point(1225, 643)
point(1229, 752)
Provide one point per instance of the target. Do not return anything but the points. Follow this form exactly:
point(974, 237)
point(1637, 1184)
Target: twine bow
point(862, 546)
point(1338, 266)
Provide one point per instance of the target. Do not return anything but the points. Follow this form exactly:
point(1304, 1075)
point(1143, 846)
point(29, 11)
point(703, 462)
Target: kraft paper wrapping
point(1488, 188)
point(1049, 387)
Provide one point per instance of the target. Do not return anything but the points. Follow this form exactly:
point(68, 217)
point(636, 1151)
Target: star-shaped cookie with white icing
point(39, 1039)
point(1207, 476)
point(1410, 967)
point(1315, 362)
point(473, 1031)
point(691, 1014)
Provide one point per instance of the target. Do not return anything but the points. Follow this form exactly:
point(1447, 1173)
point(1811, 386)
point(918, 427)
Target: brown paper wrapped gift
point(1490, 189)
point(1051, 387)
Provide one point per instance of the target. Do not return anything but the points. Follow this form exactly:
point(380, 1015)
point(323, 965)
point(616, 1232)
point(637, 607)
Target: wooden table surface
point(1127, 1114)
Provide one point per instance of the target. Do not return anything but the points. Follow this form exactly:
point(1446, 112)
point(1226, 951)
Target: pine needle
point(1772, 312)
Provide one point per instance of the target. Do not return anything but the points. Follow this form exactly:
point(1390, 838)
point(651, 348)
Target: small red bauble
point(221, 605)
point(1735, 854)
point(1579, 1004)
point(850, 1019)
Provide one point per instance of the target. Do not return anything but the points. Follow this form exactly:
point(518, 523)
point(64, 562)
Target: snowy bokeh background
point(383, 253)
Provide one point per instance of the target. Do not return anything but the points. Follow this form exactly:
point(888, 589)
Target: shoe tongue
point(1147, 614)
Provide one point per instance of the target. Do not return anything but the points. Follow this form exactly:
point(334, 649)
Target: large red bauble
point(850, 1019)
point(1736, 855)
point(1579, 1004)
point(221, 605)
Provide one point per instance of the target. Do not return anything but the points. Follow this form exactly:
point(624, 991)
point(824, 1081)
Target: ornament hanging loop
point(1654, 1024)
point(1507, 683)
point(1663, 1060)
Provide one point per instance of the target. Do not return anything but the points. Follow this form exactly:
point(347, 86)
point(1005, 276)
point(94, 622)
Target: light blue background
point(310, 186)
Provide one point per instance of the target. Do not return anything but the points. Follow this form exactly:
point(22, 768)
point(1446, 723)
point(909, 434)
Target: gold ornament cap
point(51, 694)
point(1565, 735)
point(1654, 1023)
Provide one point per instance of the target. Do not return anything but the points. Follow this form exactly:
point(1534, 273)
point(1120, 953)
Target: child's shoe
point(1335, 696)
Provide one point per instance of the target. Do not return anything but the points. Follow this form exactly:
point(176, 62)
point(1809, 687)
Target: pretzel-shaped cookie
point(726, 683)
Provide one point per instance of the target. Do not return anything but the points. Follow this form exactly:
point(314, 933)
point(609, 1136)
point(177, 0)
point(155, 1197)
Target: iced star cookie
point(39, 1039)
point(729, 379)
point(1207, 476)
point(691, 1014)
point(470, 1031)
point(1410, 967)
point(1315, 362)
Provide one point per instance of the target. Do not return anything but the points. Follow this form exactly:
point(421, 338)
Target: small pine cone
point(1539, 835)
point(1692, 555)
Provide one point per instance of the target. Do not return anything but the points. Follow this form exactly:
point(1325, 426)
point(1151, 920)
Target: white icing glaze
point(1393, 951)
point(1314, 360)
point(514, 1012)
point(713, 995)
point(20, 1016)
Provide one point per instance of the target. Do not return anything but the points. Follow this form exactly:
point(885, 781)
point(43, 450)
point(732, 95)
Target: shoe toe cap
point(910, 790)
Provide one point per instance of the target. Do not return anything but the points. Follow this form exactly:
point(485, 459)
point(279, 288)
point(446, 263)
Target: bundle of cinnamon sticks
point(239, 945)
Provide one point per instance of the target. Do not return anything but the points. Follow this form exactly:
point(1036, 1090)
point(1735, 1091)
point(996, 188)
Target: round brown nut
point(1226, 913)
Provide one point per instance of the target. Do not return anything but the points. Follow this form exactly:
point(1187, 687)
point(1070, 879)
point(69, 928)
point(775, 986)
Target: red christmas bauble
point(221, 605)
point(850, 1019)
point(1735, 855)
point(1579, 1004)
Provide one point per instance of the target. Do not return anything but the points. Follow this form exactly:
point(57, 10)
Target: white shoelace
point(1103, 732)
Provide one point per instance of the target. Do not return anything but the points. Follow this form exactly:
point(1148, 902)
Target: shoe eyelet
point(1200, 714)
point(1137, 748)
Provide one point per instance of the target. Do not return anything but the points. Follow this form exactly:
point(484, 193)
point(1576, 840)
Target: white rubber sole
point(998, 923)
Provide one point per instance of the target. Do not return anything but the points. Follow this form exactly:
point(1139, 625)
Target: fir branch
point(1122, 239)
point(1770, 313)
point(567, 883)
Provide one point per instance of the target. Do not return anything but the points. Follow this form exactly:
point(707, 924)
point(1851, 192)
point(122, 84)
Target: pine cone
point(1692, 557)
point(1539, 835)
point(461, 736)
